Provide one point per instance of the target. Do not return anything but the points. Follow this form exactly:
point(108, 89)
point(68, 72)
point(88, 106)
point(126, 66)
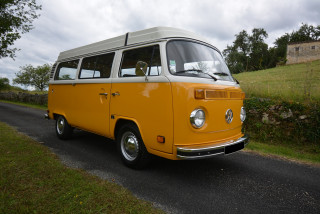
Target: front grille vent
point(214, 94)
point(223, 94)
point(235, 95)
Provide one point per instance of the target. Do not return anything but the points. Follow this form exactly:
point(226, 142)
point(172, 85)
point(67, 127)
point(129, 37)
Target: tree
point(248, 52)
point(237, 55)
point(305, 33)
point(31, 76)
point(258, 49)
point(278, 54)
point(235, 60)
point(4, 83)
point(16, 17)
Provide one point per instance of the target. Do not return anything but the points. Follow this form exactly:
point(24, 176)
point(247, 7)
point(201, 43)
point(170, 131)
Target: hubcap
point(60, 125)
point(129, 146)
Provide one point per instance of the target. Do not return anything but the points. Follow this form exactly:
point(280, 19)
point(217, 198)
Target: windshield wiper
point(184, 71)
point(221, 74)
point(199, 71)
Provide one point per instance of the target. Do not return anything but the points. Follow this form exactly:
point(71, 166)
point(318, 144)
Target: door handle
point(105, 94)
point(116, 94)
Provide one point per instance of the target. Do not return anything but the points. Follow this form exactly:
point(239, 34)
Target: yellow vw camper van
point(161, 91)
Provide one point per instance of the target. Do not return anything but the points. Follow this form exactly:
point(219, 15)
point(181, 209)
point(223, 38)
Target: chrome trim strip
point(211, 151)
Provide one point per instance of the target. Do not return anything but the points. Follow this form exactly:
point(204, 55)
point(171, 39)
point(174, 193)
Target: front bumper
point(218, 149)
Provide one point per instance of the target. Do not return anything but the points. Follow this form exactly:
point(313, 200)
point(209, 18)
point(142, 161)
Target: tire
point(63, 129)
point(131, 147)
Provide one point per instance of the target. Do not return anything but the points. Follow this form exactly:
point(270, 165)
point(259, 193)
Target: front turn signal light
point(199, 93)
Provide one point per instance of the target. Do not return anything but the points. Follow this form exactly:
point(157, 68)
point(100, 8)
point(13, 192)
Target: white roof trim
point(141, 36)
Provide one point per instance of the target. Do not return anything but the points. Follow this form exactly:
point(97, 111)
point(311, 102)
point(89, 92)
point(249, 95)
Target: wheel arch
point(122, 121)
point(56, 114)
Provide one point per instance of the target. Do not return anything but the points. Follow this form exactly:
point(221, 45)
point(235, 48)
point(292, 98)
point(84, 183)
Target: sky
point(67, 24)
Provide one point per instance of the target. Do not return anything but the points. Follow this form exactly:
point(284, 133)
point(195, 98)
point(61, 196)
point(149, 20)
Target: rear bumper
point(218, 149)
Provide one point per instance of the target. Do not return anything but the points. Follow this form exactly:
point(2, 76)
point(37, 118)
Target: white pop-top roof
point(141, 36)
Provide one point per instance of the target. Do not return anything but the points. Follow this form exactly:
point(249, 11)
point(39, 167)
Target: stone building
point(303, 52)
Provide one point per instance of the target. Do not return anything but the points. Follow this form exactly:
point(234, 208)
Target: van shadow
point(99, 153)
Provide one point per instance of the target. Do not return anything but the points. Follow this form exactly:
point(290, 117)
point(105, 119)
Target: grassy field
point(300, 82)
point(32, 180)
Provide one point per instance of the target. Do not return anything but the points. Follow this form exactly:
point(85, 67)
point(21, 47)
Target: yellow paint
point(158, 109)
point(82, 105)
point(215, 129)
point(150, 104)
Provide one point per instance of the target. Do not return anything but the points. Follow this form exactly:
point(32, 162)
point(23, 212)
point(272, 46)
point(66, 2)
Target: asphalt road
point(238, 183)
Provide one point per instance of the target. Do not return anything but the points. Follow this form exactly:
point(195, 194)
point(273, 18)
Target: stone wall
point(303, 52)
point(276, 122)
point(39, 99)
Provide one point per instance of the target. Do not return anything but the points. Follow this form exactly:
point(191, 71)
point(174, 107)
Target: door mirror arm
point(141, 69)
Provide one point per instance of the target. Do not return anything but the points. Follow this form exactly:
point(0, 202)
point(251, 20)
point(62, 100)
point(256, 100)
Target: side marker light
point(161, 139)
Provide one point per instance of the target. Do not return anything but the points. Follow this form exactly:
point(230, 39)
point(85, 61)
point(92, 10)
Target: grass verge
point(32, 180)
point(26, 104)
point(293, 153)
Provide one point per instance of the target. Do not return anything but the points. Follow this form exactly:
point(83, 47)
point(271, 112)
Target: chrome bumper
point(206, 152)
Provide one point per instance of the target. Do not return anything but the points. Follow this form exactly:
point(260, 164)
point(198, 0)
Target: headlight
point(197, 118)
point(243, 114)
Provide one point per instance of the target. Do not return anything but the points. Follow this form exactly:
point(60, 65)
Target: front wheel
point(131, 147)
point(63, 129)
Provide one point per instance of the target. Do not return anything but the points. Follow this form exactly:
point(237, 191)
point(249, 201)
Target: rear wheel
point(131, 147)
point(63, 129)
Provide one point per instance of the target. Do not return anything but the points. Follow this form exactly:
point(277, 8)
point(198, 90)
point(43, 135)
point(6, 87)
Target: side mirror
point(141, 68)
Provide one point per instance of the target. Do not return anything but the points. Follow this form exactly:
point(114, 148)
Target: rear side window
point(149, 55)
point(96, 66)
point(67, 70)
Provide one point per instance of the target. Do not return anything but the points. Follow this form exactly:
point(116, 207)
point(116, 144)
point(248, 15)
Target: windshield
point(186, 58)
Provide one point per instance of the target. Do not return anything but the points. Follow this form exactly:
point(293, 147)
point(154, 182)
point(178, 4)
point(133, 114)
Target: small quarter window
point(149, 55)
point(96, 66)
point(67, 70)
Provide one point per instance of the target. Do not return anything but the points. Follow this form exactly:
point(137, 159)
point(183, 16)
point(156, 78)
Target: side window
point(96, 66)
point(149, 55)
point(67, 70)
